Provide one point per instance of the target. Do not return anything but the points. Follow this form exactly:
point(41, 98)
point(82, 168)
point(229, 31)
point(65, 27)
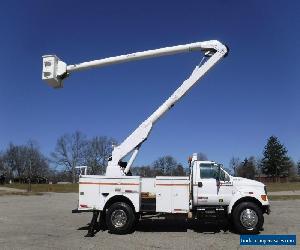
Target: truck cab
point(216, 192)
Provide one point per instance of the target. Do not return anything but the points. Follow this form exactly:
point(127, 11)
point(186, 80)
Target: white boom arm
point(55, 70)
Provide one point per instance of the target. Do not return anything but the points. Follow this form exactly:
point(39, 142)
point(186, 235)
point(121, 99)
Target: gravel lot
point(46, 222)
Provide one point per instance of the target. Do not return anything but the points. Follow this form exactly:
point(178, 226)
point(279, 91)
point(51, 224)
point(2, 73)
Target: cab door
point(206, 184)
point(225, 190)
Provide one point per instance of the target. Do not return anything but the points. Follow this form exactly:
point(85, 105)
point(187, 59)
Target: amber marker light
point(264, 197)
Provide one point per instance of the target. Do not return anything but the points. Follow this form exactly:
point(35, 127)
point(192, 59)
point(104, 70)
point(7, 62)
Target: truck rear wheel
point(247, 218)
point(120, 218)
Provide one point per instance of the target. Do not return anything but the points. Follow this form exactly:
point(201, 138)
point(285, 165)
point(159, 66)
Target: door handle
point(200, 184)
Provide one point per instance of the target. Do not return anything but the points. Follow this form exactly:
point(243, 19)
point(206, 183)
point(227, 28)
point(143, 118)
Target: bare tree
point(144, 171)
point(97, 153)
point(234, 163)
point(258, 166)
point(36, 163)
point(247, 168)
point(15, 160)
point(165, 165)
point(292, 171)
point(24, 162)
point(2, 166)
point(70, 152)
point(179, 171)
point(2, 170)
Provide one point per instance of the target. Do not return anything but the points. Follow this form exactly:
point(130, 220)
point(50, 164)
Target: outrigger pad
point(93, 225)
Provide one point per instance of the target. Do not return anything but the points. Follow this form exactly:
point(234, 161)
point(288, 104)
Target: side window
point(208, 171)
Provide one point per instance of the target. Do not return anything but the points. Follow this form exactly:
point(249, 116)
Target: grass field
point(73, 188)
point(57, 188)
point(20, 193)
point(283, 197)
point(289, 186)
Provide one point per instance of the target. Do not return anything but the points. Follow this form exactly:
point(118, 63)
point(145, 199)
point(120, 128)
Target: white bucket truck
point(208, 192)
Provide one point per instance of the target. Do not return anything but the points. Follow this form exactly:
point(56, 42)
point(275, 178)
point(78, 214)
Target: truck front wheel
point(120, 218)
point(247, 218)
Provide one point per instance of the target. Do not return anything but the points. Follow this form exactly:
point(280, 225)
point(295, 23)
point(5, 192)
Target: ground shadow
point(181, 225)
point(91, 233)
point(161, 225)
point(175, 225)
point(84, 227)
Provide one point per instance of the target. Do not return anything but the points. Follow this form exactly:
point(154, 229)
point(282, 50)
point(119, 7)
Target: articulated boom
point(54, 71)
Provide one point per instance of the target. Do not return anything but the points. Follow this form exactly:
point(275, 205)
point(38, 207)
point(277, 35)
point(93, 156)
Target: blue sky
point(252, 94)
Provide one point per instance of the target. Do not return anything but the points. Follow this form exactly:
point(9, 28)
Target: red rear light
point(83, 206)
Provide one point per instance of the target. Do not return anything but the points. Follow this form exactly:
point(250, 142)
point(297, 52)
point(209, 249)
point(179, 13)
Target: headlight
point(266, 189)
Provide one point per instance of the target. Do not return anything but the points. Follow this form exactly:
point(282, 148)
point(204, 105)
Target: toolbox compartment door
point(172, 194)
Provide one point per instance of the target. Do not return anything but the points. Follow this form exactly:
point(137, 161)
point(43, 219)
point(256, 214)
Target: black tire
point(116, 225)
point(237, 216)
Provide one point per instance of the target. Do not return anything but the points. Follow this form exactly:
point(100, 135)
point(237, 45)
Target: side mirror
point(219, 174)
point(200, 184)
point(218, 177)
point(227, 178)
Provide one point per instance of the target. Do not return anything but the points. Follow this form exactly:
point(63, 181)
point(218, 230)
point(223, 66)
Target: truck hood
point(240, 182)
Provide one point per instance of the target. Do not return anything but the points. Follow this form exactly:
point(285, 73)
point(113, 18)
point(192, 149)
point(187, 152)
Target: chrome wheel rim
point(118, 218)
point(249, 218)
